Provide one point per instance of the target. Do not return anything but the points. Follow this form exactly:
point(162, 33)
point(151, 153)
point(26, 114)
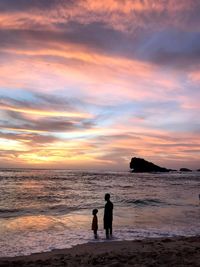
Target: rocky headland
point(142, 165)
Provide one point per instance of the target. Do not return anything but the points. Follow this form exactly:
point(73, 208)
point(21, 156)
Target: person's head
point(95, 211)
point(107, 197)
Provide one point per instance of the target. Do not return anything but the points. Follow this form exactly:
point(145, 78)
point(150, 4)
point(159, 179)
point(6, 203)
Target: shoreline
point(175, 251)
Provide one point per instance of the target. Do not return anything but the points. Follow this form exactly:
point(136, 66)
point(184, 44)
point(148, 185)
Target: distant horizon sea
point(42, 209)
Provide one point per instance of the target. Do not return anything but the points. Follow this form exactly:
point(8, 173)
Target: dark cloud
point(99, 35)
point(96, 36)
point(24, 5)
point(41, 102)
point(47, 124)
point(167, 47)
point(41, 125)
point(175, 48)
point(172, 47)
point(148, 37)
point(30, 138)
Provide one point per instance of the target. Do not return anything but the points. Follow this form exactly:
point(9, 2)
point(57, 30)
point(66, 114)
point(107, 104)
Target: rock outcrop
point(141, 165)
point(185, 170)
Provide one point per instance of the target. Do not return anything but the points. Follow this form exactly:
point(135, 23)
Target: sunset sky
point(90, 84)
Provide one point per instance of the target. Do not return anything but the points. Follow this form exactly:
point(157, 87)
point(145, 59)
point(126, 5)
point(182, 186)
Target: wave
point(60, 208)
point(10, 213)
point(9, 210)
point(145, 202)
point(51, 210)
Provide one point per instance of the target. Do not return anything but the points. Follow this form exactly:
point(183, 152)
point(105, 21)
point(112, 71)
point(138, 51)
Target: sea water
point(41, 210)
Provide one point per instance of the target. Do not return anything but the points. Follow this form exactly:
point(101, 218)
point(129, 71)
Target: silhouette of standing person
point(95, 222)
point(108, 216)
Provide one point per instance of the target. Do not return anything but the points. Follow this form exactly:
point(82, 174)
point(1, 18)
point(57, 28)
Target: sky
point(91, 84)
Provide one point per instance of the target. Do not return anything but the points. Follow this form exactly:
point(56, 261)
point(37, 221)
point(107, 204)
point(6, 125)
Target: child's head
point(94, 212)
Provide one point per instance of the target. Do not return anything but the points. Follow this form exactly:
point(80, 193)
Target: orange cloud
point(118, 14)
point(96, 73)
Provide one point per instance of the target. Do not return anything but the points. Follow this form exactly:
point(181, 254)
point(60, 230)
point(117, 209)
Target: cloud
point(23, 5)
point(96, 36)
point(42, 113)
point(30, 138)
point(176, 48)
point(124, 15)
point(44, 105)
point(98, 81)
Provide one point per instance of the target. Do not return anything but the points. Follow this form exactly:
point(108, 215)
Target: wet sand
point(179, 251)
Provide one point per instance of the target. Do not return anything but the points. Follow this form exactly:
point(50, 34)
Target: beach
point(176, 251)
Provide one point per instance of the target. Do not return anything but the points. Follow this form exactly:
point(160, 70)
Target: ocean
point(42, 210)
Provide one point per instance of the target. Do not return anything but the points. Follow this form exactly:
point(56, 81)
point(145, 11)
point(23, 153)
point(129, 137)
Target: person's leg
point(107, 233)
point(95, 234)
point(111, 230)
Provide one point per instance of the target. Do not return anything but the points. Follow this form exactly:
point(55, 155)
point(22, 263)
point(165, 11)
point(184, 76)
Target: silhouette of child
point(95, 222)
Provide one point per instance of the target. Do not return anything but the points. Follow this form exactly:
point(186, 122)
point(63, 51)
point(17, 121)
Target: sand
point(179, 251)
